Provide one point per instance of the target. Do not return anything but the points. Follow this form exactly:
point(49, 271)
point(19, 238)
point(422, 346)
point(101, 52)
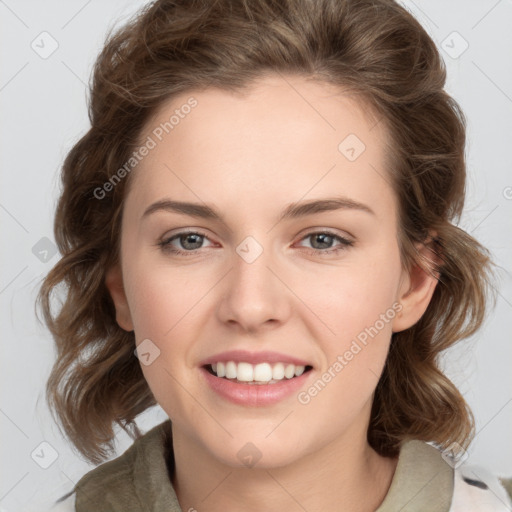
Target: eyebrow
point(292, 211)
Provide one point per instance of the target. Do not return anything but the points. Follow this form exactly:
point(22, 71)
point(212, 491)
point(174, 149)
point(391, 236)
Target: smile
point(262, 373)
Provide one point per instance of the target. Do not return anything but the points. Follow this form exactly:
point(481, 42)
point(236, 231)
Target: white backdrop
point(47, 51)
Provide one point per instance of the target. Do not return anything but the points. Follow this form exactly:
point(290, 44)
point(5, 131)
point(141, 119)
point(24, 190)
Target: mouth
point(256, 374)
point(255, 379)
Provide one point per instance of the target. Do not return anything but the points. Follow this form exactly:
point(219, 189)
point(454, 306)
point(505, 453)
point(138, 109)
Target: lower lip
point(254, 395)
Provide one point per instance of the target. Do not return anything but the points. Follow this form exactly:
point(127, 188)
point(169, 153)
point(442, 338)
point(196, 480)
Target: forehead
point(280, 128)
point(298, 103)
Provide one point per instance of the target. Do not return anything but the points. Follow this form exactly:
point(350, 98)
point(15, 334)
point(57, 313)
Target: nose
point(254, 297)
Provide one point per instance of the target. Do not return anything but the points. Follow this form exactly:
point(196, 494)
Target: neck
point(343, 475)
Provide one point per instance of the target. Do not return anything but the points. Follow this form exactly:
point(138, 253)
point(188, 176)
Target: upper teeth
point(262, 372)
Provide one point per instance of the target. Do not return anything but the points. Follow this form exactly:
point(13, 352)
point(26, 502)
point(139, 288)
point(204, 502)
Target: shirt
point(424, 481)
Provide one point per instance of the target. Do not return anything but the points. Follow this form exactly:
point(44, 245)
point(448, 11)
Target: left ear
point(417, 287)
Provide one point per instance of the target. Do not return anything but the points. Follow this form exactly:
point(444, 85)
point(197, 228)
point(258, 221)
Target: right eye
point(190, 242)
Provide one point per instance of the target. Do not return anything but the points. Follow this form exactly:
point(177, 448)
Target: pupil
point(185, 238)
point(322, 237)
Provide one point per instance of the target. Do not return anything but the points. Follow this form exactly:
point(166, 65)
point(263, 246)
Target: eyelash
point(165, 244)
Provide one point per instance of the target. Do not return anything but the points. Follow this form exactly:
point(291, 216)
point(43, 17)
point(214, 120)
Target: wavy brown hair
point(374, 49)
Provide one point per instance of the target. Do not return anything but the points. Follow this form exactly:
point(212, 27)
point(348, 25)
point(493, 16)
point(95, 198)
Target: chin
point(256, 452)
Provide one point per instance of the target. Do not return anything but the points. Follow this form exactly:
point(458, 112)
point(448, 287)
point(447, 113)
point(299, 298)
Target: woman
point(258, 235)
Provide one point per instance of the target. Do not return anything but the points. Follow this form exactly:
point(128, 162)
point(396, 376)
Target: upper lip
point(246, 356)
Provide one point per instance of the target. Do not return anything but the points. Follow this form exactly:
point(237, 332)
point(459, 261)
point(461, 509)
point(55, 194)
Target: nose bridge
point(252, 279)
point(254, 294)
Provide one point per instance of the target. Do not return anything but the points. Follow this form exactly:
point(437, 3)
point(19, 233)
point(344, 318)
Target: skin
point(249, 156)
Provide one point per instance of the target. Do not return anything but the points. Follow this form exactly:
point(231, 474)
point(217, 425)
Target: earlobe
point(417, 289)
point(114, 284)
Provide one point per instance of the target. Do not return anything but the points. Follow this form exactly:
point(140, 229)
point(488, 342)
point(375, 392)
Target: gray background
point(42, 100)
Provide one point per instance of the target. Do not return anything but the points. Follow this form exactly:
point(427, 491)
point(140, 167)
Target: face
point(252, 269)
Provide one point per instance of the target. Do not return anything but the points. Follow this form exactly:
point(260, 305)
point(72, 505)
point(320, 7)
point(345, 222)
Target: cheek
point(358, 304)
point(166, 308)
point(351, 298)
point(160, 297)
point(163, 305)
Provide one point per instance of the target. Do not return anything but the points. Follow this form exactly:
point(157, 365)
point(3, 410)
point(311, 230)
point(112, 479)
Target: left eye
point(323, 238)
